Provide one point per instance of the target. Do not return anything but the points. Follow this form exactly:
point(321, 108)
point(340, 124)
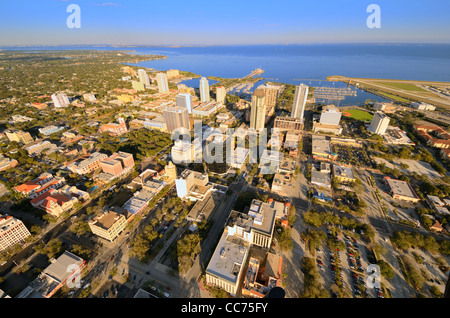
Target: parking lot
point(344, 269)
point(352, 156)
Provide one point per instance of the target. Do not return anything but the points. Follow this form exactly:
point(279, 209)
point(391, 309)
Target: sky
point(226, 22)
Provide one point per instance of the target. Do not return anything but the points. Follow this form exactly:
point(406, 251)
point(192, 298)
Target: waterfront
point(295, 64)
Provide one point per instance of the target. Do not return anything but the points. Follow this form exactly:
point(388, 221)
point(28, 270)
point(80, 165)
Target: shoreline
point(402, 91)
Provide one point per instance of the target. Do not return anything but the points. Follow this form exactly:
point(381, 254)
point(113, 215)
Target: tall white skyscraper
point(143, 77)
point(185, 100)
point(379, 123)
point(221, 94)
point(298, 107)
point(204, 90)
point(163, 84)
point(60, 100)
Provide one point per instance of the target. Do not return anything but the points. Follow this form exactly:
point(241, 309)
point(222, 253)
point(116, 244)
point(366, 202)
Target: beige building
point(221, 94)
point(243, 230)
point(288, 124)
point(19, 136)
point(176, 118)
point(12, 232)
point(170, 172)
point(108, 225)
point(88, 165)
point(258, 110)
point(173, 73)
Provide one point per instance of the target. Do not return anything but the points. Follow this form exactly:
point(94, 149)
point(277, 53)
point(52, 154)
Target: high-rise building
point(185, 100)
point(300, 96)
point(163, 83)
point(60, 100)
point(176, 118)
point(204, 90)
point(258, 110)
point(221, 94)
point(12, 232)
point(143, 77)
point(271, 93)
point(379, 123)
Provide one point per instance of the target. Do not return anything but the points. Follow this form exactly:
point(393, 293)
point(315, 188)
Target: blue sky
point(199, 22)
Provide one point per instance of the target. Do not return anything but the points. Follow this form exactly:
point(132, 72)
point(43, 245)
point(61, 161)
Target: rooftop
point(228, 258)
point(105, 220)
point(399, 187)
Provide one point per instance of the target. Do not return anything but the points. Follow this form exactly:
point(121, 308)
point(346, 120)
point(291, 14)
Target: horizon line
point(230, 44)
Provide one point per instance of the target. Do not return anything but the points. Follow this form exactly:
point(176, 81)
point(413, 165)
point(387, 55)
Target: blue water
point(308, 64)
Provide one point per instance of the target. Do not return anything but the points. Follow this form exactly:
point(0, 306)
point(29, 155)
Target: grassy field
point(397, 98)
point(359, 114)
point(404, 86)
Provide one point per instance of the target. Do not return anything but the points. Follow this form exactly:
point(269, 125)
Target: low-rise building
point(87, 165)
point(401, 190)
point(6, 163)
point(108, 225)
point(19, 136)
point(115, 129)
point(64, 270)
point(435, 136)
point(321, 148)
point(320, 178)
point(40, 185)
point(343, 174)
point(47, 131)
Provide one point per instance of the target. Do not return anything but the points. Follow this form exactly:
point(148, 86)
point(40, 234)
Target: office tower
point(204, 90)
point(185, 100)
point(221, 94)
point(300, 96)
point(258, 110)
point(379, 123)
point(176, 118)
point(330, 115)
point(60, 100)
point(163, 84)
point(271, 94)
point(12, 232)
point(143, 77)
